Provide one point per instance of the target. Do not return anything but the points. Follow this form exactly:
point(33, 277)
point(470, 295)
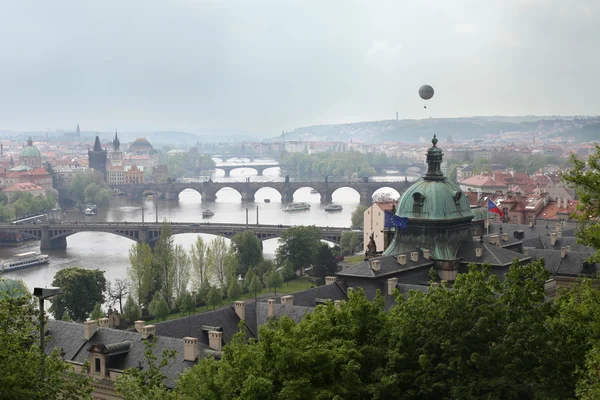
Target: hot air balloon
point(426, 92)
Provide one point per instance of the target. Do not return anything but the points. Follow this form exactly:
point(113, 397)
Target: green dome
point(433, 200)
point(482, 214)
point(11, 288)
point(30, 150)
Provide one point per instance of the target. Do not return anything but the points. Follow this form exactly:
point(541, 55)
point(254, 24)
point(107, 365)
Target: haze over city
point(261, 67)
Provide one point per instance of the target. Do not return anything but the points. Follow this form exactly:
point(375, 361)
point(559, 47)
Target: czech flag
point(492, 207)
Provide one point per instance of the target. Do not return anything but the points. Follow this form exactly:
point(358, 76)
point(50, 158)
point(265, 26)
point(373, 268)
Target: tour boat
point(24, 260)
point(89, 211)
point(314, 191)
point(333, 207)
point(297, 207)
point(267, 200)
point(92, 207)
point(207, 213)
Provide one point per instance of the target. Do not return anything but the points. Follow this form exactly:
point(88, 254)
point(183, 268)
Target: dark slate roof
point(536, 230)
point(571, 265)
point(224, 317)
point(250, 318)
point(295, 312)
point(307, 298)
point(69, 337)
point(546, 242)
point(404, 288)
point(492, 254)
point(389, 266)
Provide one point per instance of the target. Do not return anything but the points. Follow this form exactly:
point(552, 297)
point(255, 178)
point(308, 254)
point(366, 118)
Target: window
point(97, 365)
point(515, 219)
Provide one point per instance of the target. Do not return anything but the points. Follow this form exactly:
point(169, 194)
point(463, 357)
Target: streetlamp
point(44, 294)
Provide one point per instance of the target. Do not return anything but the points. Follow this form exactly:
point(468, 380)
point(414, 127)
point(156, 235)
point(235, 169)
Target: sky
point(264, 66)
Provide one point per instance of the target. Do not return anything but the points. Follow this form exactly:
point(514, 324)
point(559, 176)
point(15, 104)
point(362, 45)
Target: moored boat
point(207, 213)
point(333, 207)
point(297, 207)
point(89, 211)
point(24, 260)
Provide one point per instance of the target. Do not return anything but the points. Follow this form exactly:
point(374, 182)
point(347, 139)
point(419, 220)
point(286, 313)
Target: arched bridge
point(260, 168)
point(248, 189)
point(54, 236)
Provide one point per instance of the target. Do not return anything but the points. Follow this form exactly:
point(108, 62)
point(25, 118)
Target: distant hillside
point(412, 130)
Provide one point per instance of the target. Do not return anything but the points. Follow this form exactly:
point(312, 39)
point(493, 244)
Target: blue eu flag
point(394, 221)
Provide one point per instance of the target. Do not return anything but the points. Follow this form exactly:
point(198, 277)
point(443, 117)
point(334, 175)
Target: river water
point(109, 252)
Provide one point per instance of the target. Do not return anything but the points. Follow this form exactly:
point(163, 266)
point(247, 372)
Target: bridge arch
point(192, 194)
point(266, 192)
point(227, 189)
point(346, 194)
point(386, 193)
point(307, 194)
point(271, 168)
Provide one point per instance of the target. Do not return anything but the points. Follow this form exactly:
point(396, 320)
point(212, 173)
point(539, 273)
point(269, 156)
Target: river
point(110, 252)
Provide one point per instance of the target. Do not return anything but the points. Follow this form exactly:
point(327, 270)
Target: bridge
point(208, 190)
point(413, 168)
point(259, 168)
point(54, 236)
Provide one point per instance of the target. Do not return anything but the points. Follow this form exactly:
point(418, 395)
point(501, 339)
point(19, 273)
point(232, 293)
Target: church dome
point(12, 289)
point(30, 150)
point(433, 197)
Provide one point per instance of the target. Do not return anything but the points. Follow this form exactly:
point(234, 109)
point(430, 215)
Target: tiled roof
point(492, 254)
point(570, 265)
point(388, 266)
point(23, 187)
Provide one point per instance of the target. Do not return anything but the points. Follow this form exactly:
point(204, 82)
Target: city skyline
point(263, 67)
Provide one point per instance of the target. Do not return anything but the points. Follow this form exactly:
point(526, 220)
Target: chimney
point(558, 227)
point(426, 254)
point(478, 252)
point(563, 252)
point(190, 349)
point(559, 234)
point(330, 279)
point(103, 322)
point(376, 265)
point(287, 300)
point(505, 236)
point(148, 330)
point(215, 340)
point(391, 285)
point(337, 303)
point(240, 308)
point(550, 287)
point(414, 256)
point(89, 328)
point(402, 259)
point(553, 237)
point(139, 324)
point(568, 248)
point(531, 224)
point(270, 308)
point(493, 239)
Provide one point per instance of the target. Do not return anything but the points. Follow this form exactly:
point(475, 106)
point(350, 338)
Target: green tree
point(159, 307)
point(358, 217)
point(98, 192)
point(97, 313)
point(163, 261)
point(214, 297)
point(584, 176)
point(263, 267)
point(299, 245)
point(216, 256)
point(141, 273)
point(287, 271)
point(81, 290)
point(234, 291)
point(181, 272)
point(131, 311)
point(255, 286)
point(248, 248)
point(20, 356)
point(325, 263)
point(349, 242)
point(188, 306)
point(66, 317)
point(200, 267)
point(274, 279)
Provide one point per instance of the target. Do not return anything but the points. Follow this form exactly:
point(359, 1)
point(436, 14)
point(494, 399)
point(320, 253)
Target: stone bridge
point(54, 236)
point(259, 168)
point(208, 190)
point(414, 168)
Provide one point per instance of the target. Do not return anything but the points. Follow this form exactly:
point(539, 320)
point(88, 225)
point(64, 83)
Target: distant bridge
point(259, 168)
point(412, 168)
point(54, 236)
point(208, 190)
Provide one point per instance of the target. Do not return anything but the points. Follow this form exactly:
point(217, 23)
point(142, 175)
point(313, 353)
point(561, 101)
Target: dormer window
point(418, 200)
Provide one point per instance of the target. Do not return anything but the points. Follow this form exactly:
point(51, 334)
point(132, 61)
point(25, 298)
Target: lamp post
point(44, 294)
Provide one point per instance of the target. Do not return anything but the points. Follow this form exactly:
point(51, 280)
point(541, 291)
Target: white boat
point(314, 191)
point(297, 207)
point(333, 207)
point(92, 207)
point(89, 211)
point(24, 260)
point(207, 213)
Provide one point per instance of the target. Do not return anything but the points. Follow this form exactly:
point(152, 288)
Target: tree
point(349, 242)
point(200, 266)
point(98, 192)
point(299, 245)
point(20, 355)
point(216, 259)
point(159, 307)
point(181, 272)
point(81, 290)
point(248, 278)
point(287, 271)
point(248, 248)
point(131, 311)
point(234, 291)
point(584, 176)
point(188, 306)
point(66, 317)
point(255, 286)
point(141, 272)
point(163, 261)
point(274, 279)
point(115, 291)
point(325, 263)
point(263, 267)
point(214, 297)
point(358, 217)
point(97, 313)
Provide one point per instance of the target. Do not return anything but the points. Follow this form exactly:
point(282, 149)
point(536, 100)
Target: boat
point(333, 207)
point(24, 260)
point(207, 213)
point(93, 207)
point(297, 207)
point(89, 211)
point(267, 200)
point(314, 191)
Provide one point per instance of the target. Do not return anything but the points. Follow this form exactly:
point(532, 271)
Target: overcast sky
point(264, 66)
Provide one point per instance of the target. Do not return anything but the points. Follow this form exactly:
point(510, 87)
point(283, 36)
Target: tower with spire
point(97, 157)
point(116, 155)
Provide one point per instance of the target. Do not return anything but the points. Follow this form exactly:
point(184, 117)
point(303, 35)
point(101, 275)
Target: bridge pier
point(227, 172)
point(209, 196)
point(55, 244)
point(366, 196)
point(171, 195)
point(326, 197)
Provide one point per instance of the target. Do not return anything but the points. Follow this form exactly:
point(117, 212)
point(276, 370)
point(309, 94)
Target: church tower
point(97, 158)
point(116, 155)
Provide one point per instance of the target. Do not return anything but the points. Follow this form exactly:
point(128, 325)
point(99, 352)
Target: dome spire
point(434, 162)
point(29, 141)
